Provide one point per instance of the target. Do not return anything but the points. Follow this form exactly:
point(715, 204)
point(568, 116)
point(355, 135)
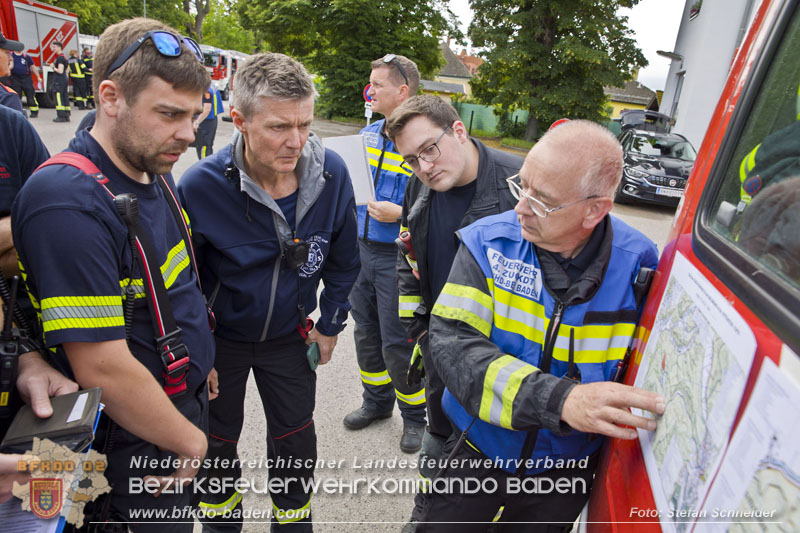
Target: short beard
point(131, 145)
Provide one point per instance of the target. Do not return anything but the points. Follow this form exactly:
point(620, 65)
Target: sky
point(655, 23)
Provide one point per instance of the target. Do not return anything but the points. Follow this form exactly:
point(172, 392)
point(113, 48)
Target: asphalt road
point(355, 494)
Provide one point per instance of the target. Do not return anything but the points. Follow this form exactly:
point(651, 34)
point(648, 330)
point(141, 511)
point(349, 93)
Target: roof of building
point(632, 93)
point(454, 67)
point(442, 87)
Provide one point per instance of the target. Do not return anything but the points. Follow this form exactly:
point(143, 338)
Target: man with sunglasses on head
point(383, 348)
point(527, 334)
point(457, 180)
point(80, 238)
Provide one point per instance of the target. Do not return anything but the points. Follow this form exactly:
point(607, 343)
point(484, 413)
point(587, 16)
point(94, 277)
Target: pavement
point(364, 485)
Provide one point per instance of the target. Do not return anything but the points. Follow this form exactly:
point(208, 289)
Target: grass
point(517, 143)
point(349, 120)
point(484, 134)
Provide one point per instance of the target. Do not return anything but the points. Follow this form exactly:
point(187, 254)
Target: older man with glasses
point(457, 180)
point(86, 268)
point(527, 334)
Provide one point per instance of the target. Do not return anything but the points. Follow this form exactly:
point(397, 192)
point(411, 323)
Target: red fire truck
point(36, 25)
point(720, 334)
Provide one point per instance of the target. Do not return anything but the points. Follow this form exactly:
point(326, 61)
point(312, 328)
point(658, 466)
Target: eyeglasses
point(167, 43)
point(429, 154)
point(392, 58)
point(537, 206)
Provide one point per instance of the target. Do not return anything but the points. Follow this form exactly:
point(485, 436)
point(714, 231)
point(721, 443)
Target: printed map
point(698, 357)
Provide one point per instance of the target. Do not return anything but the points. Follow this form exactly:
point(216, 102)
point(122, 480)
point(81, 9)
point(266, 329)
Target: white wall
point(708, 44)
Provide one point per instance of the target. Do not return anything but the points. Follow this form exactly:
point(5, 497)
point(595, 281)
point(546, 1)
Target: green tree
point(552, 57)
point(338, 39)
point(222, 28)
point(95, 16)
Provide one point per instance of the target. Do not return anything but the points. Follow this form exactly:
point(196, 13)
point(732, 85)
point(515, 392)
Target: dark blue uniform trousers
point(383, 348)
point(287, 387)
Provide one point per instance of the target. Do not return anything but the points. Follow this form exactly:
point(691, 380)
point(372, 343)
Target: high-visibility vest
point(516, 318)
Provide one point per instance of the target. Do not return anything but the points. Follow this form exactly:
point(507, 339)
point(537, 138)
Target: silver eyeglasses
point(537, 206)
point(429, 154)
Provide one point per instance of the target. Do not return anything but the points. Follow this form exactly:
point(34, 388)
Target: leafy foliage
point(338, 39)
point(223, 29)
point(552, 57)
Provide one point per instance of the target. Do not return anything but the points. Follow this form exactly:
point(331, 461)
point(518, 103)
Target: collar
point(593, 260)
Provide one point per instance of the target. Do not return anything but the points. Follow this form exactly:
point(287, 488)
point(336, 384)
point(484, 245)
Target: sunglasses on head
point(392, 58)
point(167, 43)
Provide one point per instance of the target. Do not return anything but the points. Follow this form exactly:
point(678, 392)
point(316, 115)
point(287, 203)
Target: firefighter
point(88, 61)
point(21, 80)
point(20, 153)
point(8, 96)
point(273, 215)
point(470, 183)
point(383, 347)
point(205, 125)
point(87, 245)
point(77, 72)
point(60, 67)
point(527, 333)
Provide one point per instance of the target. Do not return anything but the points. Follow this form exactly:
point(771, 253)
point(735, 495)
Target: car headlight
point(635, 173)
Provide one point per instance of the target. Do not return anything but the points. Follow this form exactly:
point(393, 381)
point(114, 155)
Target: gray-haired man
point(272, 215)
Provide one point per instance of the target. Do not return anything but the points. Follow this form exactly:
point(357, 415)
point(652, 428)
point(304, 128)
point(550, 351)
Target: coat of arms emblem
point(46, 497)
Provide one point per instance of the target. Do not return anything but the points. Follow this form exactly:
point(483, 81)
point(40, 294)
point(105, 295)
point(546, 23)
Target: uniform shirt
point(9, 98)
point(61, 60)
point(211, 96)
point(20, 153)
point(74, 249)
point(447, 212)
point(76, 67)
point(22, 65)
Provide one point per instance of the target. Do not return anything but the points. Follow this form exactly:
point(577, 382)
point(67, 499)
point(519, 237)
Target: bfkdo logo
point(46, 497)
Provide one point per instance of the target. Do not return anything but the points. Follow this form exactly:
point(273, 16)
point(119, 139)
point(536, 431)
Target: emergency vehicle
point(222, 65)
point(719, 337)
point(37, 25)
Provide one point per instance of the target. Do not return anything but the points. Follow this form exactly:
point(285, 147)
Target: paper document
point(354, 152)
point(698, 358)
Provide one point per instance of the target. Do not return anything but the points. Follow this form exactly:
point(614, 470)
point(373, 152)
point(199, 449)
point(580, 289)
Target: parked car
point(642, 119)
point(657, 167)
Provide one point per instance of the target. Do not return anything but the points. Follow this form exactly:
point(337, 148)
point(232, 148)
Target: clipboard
point(353, 149)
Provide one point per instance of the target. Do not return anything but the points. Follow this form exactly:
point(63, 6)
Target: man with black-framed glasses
point(383, 348)
point(457, 180)
point(99, 315)
point(527, 334)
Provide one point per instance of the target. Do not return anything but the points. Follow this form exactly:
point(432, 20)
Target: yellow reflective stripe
point(24, 275)
point(80, 312)
point(137, 284)
point(286, 516)
point(593, 343)
point(500, 386)
point(389, 166)
point(403, 228)
point(177, 261)
point(467, 304)
point(411, 262)
point(411, 399)
point(407, 305)
point(375, 378)
point(748, 162)
point(186, 218)
point(213, 509)
point(387, 154)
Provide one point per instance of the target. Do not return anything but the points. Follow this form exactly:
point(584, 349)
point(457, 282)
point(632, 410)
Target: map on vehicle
point(759, 481)
point(698, 358)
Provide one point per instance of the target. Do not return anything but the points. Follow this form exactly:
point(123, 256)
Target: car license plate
point(663, 191)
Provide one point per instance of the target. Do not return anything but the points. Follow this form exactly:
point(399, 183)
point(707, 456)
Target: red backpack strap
point(78, 161)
